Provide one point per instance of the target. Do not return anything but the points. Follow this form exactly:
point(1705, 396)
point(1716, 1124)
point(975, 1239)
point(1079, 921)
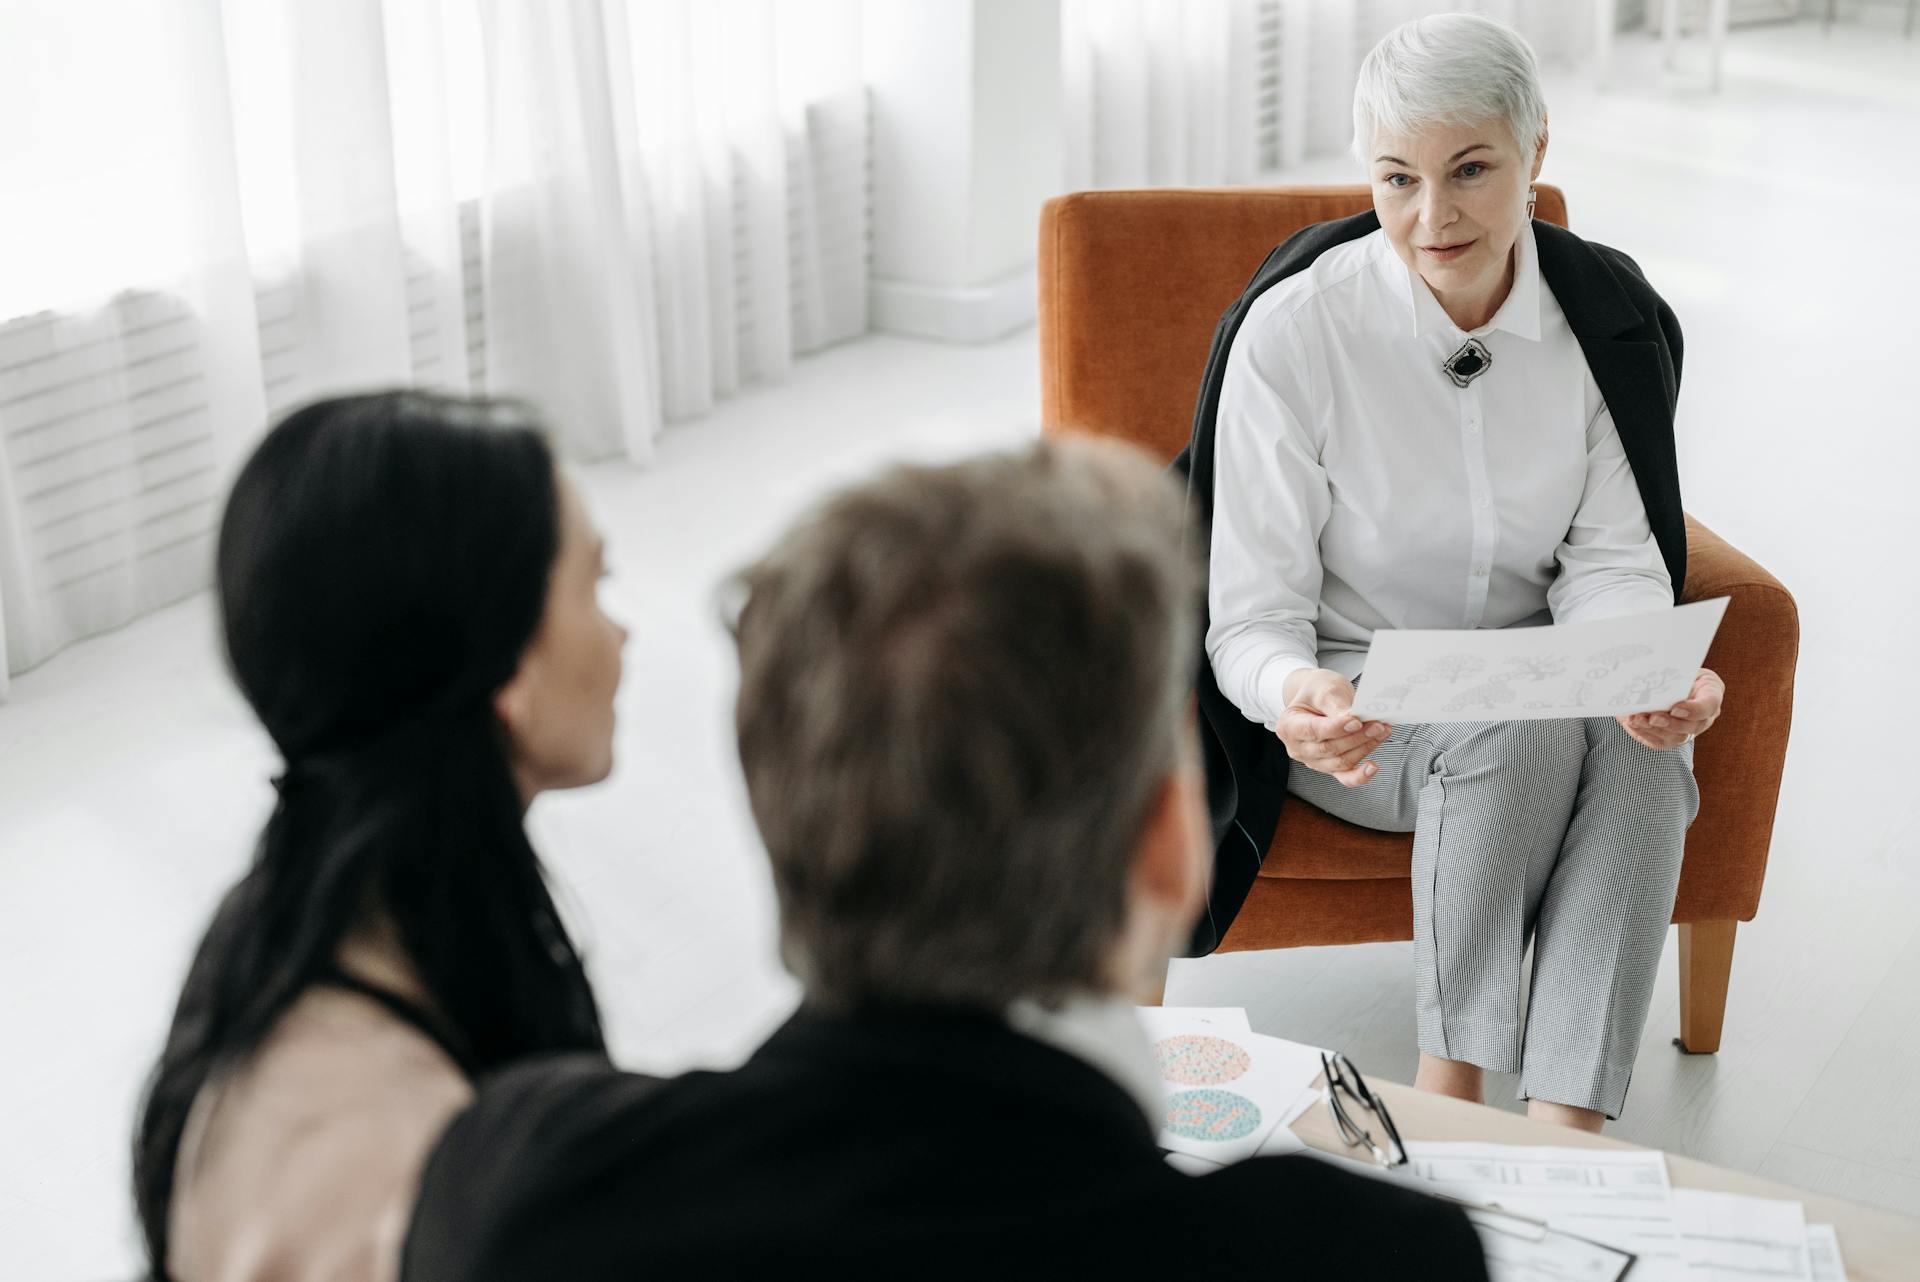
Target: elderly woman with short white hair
point(1443, 414)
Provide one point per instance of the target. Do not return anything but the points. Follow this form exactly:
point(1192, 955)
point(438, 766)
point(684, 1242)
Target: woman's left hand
point(1688, 719)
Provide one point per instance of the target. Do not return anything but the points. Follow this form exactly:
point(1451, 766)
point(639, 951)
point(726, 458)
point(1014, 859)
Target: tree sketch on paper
point(1643, 687)
point(1611, 660)
point(1579, 697)
point(1388, 699)
point(1453, 668)
point(1537, 667)
point(1490, 694)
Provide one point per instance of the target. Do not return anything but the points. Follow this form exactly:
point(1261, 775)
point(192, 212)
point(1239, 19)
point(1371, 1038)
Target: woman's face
point(1451, 199)
point(558, 707)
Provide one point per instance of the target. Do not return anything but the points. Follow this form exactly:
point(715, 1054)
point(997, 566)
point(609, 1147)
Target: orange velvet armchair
point(1132, 284)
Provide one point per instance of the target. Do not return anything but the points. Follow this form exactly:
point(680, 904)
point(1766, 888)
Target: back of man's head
point(961, 690)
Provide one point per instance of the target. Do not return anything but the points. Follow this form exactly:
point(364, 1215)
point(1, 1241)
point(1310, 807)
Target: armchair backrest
point(1132, 284)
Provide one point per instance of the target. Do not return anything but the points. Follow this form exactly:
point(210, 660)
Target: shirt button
point(1485, 501)
point(1479, 571)
point(1473, 425)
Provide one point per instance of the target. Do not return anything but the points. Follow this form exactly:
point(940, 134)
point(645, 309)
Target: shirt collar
point(1519, 315)
point(1105, 1032)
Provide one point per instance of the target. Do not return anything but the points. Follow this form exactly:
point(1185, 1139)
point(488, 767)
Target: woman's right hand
point(1320, 730)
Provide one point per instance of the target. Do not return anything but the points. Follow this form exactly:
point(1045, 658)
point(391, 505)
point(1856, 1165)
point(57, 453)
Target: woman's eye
point(1471, 169)
point(1398, 180)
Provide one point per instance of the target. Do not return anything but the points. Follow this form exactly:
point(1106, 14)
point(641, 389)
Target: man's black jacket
point(907, 1144)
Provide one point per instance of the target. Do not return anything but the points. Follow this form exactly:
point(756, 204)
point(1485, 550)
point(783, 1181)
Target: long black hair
point(383, 564)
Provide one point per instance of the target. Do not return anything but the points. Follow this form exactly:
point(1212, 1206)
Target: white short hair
point(1451, 68)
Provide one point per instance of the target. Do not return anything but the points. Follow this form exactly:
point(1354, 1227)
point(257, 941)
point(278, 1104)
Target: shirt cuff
point(1270, 686)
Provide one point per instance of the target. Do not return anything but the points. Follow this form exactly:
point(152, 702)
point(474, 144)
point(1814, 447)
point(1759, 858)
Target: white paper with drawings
point(1226, 1090)
point(1635, 663)
point(1620, 1198)
point(1730, 1238)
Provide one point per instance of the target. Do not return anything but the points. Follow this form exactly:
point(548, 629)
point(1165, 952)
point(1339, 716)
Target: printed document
point(1731, 1238)
point(1616, 1197)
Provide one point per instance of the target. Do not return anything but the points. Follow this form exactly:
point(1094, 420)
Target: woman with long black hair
point(408, 590)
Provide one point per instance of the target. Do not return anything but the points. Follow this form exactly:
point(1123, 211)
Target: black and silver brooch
point(1469, 363)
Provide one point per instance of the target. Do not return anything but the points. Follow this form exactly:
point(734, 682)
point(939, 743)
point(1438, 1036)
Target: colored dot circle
point(1212, 1115)
point(1193, 1060)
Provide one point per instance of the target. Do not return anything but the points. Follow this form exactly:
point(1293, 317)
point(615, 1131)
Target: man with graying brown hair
point(967, 737)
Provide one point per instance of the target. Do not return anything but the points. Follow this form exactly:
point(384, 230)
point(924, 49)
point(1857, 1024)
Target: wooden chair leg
point(1706, 961)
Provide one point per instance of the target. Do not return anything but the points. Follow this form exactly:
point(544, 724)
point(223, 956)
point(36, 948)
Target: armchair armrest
point(1738, 763)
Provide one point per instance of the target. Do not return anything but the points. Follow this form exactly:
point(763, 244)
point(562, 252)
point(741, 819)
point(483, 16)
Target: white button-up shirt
point(1357, 488)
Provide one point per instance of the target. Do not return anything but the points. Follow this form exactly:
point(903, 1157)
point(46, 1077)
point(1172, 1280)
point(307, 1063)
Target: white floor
point(1775, 216)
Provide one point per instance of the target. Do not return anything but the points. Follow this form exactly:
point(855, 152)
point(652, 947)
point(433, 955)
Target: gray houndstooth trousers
point(1566, 831)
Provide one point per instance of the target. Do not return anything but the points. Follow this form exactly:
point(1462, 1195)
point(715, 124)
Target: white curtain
point(129, 372)
point(1158, 92)
point(1206, 92)
point(565, 230)
point(620, 210)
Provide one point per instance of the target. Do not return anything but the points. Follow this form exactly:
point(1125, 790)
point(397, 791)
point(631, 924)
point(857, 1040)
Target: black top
point(1632, 343)
point(909, 1144)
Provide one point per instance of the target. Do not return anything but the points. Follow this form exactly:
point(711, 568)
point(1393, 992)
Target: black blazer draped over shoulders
point(1632, 343)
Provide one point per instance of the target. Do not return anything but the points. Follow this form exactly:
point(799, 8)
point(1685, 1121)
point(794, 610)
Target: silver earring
point(1533, 198)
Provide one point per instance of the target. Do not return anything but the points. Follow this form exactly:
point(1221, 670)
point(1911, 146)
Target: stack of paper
point(1622, 1198)
point(1730, 1238)
point(1823, 1254)
point(1230, 1092)
point(1617, 1197)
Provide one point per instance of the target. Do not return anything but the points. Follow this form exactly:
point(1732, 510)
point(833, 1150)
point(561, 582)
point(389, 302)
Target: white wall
point(967, 144)
point(1017, 145)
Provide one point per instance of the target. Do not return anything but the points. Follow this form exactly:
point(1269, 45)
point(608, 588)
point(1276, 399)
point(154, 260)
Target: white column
point(1606, 22)
point(967, 144)
point(1717, 40)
